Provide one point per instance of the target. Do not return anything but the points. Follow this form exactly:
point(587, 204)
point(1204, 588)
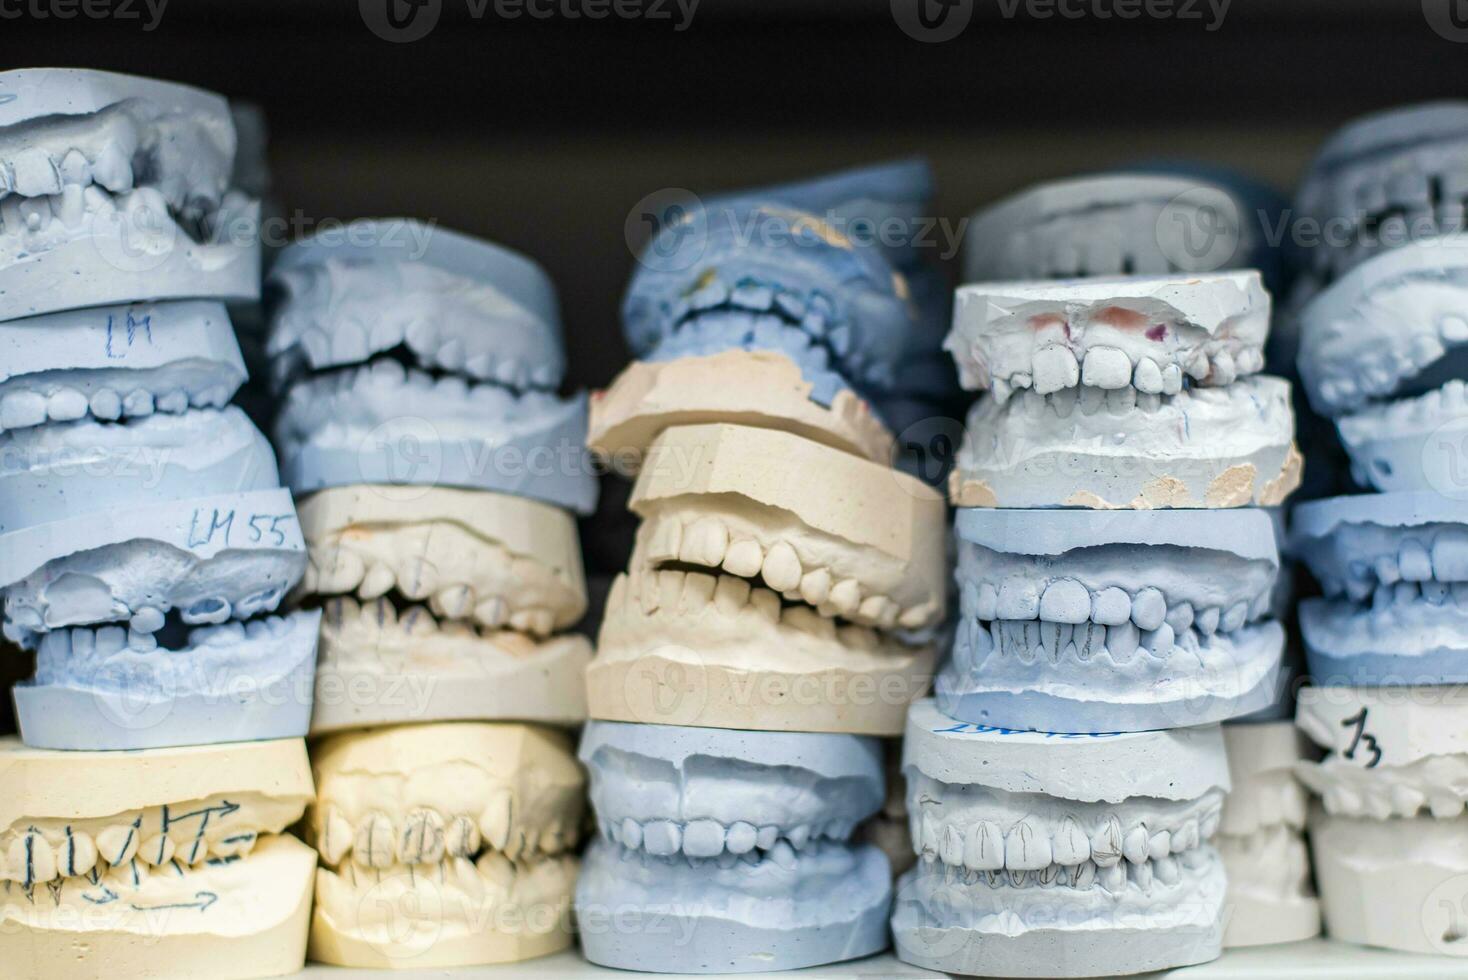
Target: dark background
point(542, 134)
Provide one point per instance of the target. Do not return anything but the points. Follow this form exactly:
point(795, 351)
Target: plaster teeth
point(1106, 367)
point(704, 542)
point(118, 844)
point(1070, 846)
point(336, 837)
point(1172, 379)
point(1159, 642)
point(536, 622)
point(452, 602)
point(373, 846)
point(1055, 368)
point(765, 604)
point(148, 619)
point(1147, 378)
point(34, 174)
point(1207, 621)
point(1135, 845)
point(846, 596)
point(1026, 848)
point(1065, 601)
point(664, 542)
point(422, 838)
point(497, 820)
point(142, 642)
point(377, 581)
point(1149, 608)
point(781, 569)
point(744, 558)
point(662, 837)
point(984, 847)
point(1091, 400)
point(1111, 607)
point(491, 612)
point(1018, 599)
point(815, 586)
point(1180, 617)
point(77, 855)
point(157, 850)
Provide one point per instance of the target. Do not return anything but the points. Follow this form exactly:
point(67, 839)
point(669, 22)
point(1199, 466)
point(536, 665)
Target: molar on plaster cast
point(776, 307)
point(117, 362)
point(1382, 352)
point(760, 597)
point(1145, 333)
point(728, 851)
point(115, 188)
point(1261, 838)
point(1126, 223)
point(1393, 568)
point(168, 863)
point(473, 408)
point(449, 600)
point(1057, 634)
point(1060, 855)
point(448, 844)
point(1387, 179)
point(1388, 842)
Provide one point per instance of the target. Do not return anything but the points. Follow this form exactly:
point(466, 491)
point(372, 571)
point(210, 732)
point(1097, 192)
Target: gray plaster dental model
point(1262, 838)
point(1393, 568)
point(1058, 633)
point(1383, 181)
point(1060, 855)
point(1389, 840)
point(1121, 393)
point(414, 355)
point(115, 539)
point(166, 864)
point(776, 585)
point(1382, 352)
point(727, 851)
point(115, 188)
point(1128, 223)
point(116, 362)
point(783, 306)
point(445, 605)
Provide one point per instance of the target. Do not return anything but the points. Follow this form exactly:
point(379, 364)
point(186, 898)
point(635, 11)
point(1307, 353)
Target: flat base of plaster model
point(1394, 570)
point(444, 845)
point(758, 388)
point(769, 576)
point(1055, 635)
point(167, 864)
point(727, 851)
point(496, 576)
point(1382, 352)
point(1261, 838)
point(1060, 855)
point(117, 190)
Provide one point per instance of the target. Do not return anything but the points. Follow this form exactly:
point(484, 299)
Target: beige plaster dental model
point(159, 863)
point(1261, 838)
point(1390, 842)
point(768, 580)
point(444, 845)
point(1121, 393)
point(500, 575)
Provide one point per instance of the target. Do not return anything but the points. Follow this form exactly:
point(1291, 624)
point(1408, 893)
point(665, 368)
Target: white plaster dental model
point(499, 575)
point(1060, 855)
point(727, 851)
point(1390, 844)
point(444, 845)
point(1111, 224)
point(1382, 352)
point(1385, 180)
point(1261, 838)
point(1393, 568)
point(786, 307)
point(1055, 635)
point(479, 331)
point(1090, 407)
point(169, 864)
point(735, 518)
point(115, 188)
point(117, 362)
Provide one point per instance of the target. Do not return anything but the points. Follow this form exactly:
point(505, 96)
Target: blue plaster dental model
point(414, 355)
point(133, 511)
point(114, 189)
point(727, 851)
point(1058, 633)
point(787, 306)
point(1382, 352)
point(1060, 855)
point(1393, 568)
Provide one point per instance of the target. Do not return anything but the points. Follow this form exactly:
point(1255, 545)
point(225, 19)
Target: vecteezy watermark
point(404, 21)
point(1447, 18)
point(934, 21)
point(147, 13)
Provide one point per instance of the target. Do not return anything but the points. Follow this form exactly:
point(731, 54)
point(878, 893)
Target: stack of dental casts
point(1382, 329)
point(778, 609)
point(145, 546)
point(438, 474)
point(1116, 574)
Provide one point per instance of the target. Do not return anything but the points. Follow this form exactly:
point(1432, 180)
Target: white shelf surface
point(1316, 959)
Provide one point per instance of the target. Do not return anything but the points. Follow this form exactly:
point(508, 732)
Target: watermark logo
point(666, 686)
point(667, 230)
point(1200, 230)
point(147, 13)
point(1447, 18)
point(400, 21)
point(404, 453)
point(1445, 916)
point(932, 21)
point(1444, 460)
